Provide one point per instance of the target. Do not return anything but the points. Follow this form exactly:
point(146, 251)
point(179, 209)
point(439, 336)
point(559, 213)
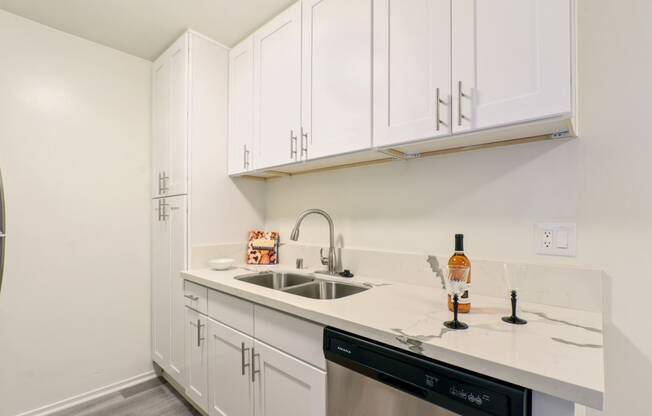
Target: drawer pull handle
point(191, 297)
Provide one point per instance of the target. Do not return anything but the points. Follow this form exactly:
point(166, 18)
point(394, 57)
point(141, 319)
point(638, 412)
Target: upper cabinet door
point(412, 70)
point(277, 96)
point(511, 61)
point(170, 121)
point(241, 106)
point(337, 75)
point(160, 124)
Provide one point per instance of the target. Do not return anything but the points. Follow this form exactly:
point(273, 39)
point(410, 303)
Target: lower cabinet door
point(286, 386)
point(196, 358)
point(231, 391)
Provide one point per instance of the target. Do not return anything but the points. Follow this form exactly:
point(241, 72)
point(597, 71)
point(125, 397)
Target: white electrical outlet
point(556, 239)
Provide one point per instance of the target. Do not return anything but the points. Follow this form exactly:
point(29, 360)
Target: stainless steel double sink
point(302, 285)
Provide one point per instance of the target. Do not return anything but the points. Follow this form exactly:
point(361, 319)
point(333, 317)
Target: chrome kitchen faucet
point(331, 260)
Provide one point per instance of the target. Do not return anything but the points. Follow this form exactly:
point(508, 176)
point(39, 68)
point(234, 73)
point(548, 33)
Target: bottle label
point(465, 299)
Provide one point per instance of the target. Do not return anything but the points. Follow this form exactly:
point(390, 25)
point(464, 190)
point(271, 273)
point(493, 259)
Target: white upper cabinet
point(353, 78)
point(241, 107)
point(511, 61)
point(337, 75)
point(277, 89)
point(170, 121)
point(412, 78)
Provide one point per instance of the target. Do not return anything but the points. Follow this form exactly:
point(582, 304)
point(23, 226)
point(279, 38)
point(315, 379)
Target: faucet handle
point(324, 259)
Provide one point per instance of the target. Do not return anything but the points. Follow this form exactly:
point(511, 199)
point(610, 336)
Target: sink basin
point(326, 290)
point(276, 280)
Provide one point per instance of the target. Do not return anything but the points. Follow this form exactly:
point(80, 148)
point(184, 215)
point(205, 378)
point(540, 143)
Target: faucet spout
point(331, 259)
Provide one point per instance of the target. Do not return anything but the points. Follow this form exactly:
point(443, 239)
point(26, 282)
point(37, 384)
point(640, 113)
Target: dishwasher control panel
point(450, 387)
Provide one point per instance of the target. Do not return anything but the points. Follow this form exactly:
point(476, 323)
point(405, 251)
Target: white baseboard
point(88, 396)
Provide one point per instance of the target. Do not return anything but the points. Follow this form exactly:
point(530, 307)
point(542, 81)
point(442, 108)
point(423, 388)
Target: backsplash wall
point(492, 196)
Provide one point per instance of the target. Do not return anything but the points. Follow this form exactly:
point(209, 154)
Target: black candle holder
point(455, 323)
point(514, 320)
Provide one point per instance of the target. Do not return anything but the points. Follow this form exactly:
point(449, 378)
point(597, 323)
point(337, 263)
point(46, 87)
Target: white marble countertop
point(559, 351)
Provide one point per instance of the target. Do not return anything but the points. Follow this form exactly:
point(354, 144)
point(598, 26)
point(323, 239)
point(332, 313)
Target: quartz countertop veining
point(559, 352)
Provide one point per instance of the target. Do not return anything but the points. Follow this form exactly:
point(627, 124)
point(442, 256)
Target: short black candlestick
point(515, 320)
point(455, 324)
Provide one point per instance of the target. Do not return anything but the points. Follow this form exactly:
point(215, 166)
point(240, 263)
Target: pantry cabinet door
point(229, 375)
point(170, 121)
point(412, 70)
point(285, 386)
point(241, 106)
point(511, 61)
point(277, 88)
point(161, 291)
point(337, 76)
point(177, 218)
point(196, 358)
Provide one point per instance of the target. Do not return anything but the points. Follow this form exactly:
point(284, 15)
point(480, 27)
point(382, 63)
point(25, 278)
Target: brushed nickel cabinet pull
point(162, 209)
point(438, 103)
point(460, 95)
point(304, 149)
point(199, 338)
point(253, 364)
point(293, 145)
point(243, 353)
point(245, 164)
point(191, 297)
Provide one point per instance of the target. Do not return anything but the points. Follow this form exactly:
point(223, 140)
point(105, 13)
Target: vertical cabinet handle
point(438, 103)
point(162, 183)
point(243, 354)
point(199, 338)
point(293, 145)
point(304, 148)
point(162, 209)
point(246, 157)
point(460, 95)
point(253, 364)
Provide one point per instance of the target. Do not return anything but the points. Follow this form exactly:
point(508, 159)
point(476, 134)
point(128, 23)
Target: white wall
point(74, 153)
point(601, 181)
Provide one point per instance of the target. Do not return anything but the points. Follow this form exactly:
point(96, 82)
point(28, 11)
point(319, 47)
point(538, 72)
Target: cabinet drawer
point(195, 296)
point(231, 311)
point(295, 336)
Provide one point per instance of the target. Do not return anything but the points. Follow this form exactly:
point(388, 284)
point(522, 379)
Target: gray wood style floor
point(152, 398)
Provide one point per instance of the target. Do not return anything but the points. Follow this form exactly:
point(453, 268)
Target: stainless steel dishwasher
point(366, 378)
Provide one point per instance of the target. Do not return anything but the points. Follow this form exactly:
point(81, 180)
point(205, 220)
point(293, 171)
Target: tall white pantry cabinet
point(189, 121)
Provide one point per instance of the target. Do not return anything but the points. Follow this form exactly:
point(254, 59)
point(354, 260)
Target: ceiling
point(146, 27)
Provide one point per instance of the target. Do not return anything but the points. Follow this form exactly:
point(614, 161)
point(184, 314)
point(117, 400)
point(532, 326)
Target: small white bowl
point(221, 264)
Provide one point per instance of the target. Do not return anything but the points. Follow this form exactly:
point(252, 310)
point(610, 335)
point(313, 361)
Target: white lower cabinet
point(285, 386)
point(196, 358)
point(231, 373)
point(231, 392)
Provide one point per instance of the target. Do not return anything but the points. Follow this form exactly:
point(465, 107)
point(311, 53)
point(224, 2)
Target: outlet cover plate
point(555, 239)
